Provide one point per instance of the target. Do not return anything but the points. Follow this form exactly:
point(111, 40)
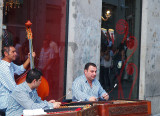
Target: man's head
point(9, 53)
point(90, 70)
point(34, 77)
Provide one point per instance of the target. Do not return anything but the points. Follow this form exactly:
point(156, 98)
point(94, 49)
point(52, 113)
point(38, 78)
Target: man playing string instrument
point(25, 96)
point(7, 71)
point(87, 87)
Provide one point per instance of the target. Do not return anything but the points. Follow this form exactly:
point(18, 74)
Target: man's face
point(12, 54)
point(90, 73)
point(38, 82)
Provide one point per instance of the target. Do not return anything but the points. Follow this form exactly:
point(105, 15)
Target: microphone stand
point(110, 90)
point(69, 91)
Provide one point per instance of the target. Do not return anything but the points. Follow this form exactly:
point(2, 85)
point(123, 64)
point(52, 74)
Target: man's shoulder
point(13, 64)
point(1, 63)
point(96, 81)
point(19, 88)
point(3, 66)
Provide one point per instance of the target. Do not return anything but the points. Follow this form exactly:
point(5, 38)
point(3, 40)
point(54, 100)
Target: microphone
point(115, 85)
point(69, 91)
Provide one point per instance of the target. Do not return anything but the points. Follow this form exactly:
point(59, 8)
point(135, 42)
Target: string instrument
point(122, 107)
point(43, 89)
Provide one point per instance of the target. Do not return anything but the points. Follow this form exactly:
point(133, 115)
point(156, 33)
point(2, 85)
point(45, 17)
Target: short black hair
point(33, 74)
point(89, 64)
point(5, 48)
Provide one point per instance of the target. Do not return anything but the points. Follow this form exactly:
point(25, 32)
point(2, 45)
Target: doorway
point(120, 48)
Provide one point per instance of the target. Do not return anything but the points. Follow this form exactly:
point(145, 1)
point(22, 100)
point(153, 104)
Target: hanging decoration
point(9, 4)
point(107, 15)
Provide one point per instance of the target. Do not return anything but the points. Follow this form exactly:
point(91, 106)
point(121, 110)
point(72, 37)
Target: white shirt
point(7, 82)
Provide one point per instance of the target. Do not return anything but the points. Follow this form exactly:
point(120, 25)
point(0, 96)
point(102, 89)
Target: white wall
point(84, 37)
point(150, 54)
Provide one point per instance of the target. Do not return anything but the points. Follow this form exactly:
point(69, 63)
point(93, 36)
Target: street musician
point(7, 71)
point(25, 96)
point(87, 87)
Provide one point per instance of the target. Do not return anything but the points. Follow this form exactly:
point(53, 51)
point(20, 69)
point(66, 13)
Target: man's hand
point(56, 104)
point(33, 54)
point(52, 101)
point(92, 99)
point(26, 63)
point(105, 96)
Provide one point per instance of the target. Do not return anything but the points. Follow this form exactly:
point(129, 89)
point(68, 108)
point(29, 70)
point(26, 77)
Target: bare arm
point(26, 63)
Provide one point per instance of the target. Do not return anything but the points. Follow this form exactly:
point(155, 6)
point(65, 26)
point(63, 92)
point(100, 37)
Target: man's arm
point(26, 63)
point(25, 101)
point(102, 93)
point(18, 69)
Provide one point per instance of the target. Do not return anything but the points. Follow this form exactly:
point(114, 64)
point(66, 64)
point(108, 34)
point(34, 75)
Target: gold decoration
point(107, 15)
point(9, 4)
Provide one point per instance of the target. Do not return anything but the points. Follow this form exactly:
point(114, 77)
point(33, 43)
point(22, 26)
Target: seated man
point(87, 87)
point(25, 96)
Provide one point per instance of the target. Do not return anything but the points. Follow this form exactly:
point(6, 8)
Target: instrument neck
point(31, 51)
